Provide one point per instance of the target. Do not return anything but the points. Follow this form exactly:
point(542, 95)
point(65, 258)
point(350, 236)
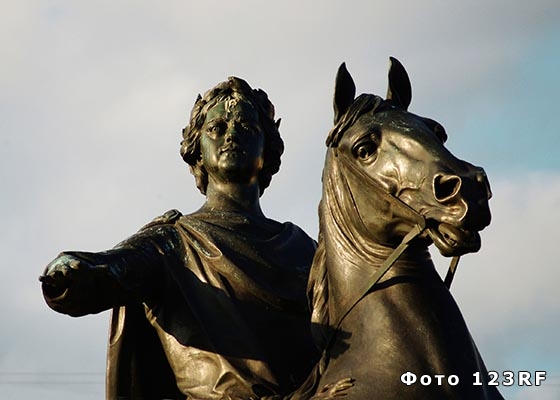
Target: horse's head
point(385, 153)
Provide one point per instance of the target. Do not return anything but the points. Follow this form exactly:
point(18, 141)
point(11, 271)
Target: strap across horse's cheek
point(352, 168)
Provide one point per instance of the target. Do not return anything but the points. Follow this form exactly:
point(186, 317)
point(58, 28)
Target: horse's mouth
point(452, 241)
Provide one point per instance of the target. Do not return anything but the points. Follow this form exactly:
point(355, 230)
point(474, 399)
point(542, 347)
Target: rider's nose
point(231, 135)
point(446, 187)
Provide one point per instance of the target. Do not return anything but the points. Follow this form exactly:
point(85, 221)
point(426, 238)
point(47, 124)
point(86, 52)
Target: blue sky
point(514, 114)
point(93, 96)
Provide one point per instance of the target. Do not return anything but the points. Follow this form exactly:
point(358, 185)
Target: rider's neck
point(241, 198)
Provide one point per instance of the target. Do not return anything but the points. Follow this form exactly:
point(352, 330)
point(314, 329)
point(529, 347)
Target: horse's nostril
point(446, 187)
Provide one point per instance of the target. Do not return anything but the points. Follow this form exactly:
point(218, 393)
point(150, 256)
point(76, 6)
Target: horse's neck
point(350, 268)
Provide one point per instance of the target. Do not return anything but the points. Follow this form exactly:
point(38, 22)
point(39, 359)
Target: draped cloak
point(205, 306)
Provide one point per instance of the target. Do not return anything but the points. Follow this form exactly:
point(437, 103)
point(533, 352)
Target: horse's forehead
point(399, 122)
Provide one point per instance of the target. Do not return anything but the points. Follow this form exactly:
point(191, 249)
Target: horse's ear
point(344, 92)
point(399, 90)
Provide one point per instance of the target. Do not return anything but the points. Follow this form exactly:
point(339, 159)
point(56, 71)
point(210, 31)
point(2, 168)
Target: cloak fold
point(231, 320)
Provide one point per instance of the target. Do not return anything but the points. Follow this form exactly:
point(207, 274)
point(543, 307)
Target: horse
point(388, 324)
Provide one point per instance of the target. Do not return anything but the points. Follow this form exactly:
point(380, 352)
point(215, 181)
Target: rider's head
point(233, 88)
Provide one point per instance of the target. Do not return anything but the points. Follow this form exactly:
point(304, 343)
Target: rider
point(209, 305)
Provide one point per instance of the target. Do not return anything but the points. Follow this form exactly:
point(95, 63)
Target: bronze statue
point(380, 310)
point(210, 305)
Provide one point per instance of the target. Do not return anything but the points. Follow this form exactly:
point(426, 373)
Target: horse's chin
point(452, 241)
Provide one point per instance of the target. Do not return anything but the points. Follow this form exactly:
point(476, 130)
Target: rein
point(417, 230)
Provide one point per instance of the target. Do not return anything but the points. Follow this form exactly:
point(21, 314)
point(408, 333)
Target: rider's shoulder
point(302, 237)
point(169, 217)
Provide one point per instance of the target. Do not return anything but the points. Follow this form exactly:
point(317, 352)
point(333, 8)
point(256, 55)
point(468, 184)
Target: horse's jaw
point(452, 241)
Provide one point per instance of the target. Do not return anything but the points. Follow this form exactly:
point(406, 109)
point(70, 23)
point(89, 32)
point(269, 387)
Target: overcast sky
point(93, 97)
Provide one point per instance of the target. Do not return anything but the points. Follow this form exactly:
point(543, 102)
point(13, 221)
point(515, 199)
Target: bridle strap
point(416, 231)
point(451, 271)
point(388, 263)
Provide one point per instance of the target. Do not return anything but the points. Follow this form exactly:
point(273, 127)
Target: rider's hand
point(62, 272)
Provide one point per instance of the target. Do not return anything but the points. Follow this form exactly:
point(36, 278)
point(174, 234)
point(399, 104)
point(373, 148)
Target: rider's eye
point(365, 150)
point(215, 128)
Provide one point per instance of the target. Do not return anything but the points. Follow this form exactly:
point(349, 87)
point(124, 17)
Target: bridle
point(416, 231)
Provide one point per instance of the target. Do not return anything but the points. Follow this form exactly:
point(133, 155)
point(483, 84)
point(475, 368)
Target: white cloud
point(549, 390)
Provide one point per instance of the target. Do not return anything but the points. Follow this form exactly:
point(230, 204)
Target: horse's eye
point(365, 150)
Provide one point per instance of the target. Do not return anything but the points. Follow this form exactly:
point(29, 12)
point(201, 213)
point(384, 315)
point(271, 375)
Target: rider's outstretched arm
point(79, 283)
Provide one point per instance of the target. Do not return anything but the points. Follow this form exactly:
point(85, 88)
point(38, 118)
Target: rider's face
point(232, 142)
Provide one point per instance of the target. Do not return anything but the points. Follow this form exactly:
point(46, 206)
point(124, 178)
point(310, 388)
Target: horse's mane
point(318, 287)
point(318, 292)
point(362, 104)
